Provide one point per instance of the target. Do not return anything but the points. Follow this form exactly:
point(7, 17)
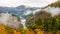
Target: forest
point(43, 22)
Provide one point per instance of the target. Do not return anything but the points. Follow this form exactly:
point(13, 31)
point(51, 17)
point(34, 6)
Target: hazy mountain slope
point(53, 8)
point(20, 10)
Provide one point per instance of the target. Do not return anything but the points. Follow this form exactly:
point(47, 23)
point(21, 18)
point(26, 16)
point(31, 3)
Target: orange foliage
point(49, 33)
point(18, 32)
point(3, 30)
point(56, 32)
point(29, 32)
point(2, 27)
point(15, 32)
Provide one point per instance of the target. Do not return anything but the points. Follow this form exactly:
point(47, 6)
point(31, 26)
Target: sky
point(32, 3)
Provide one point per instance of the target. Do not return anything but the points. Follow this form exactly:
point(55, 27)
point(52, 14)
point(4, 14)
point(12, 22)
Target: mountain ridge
point(21, 10)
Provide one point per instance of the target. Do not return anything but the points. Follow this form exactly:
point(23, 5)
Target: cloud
point(39, 3)
point(36, 3)
point(53, 10)
point(28, 12)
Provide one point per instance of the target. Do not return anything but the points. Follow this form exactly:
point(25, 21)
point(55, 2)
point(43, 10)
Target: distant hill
point(21, 10)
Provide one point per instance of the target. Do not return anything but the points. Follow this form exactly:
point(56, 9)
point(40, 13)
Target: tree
point(3, 30)
point(55, 4)
point(40, 20)
point(9, 29)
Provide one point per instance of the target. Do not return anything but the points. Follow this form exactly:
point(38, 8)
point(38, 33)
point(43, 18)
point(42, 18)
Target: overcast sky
point(33, 3)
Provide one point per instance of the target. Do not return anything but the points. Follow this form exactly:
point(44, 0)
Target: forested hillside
point(44, 21)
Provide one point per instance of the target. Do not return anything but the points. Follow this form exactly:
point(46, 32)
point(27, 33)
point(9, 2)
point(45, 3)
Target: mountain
point(52, 9)
point(21, 7)
point(55, 4)
point(21, 10)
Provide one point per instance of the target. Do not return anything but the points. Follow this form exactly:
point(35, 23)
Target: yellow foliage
point(38, 31)
point(4, 31)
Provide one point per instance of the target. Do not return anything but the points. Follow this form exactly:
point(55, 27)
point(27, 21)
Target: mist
point(8, 19)
point(53, 10)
